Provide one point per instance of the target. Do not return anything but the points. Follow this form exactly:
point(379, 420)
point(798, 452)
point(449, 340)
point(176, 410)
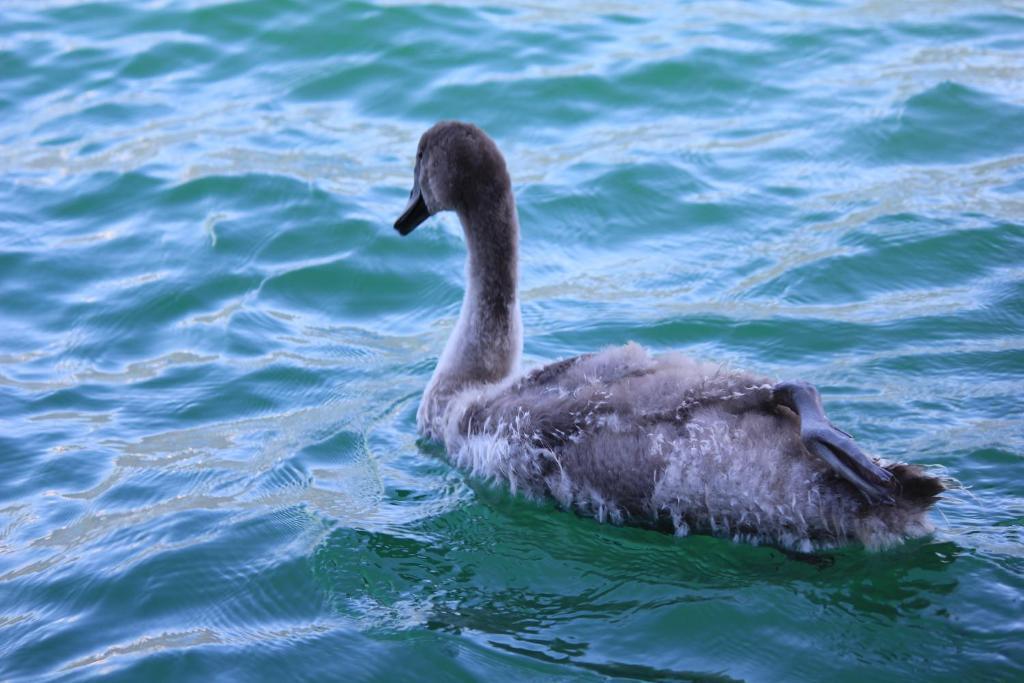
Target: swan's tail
point(916, 489)
point(885, 524)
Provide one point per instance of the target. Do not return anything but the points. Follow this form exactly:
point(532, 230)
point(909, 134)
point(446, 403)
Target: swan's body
point(622, 435)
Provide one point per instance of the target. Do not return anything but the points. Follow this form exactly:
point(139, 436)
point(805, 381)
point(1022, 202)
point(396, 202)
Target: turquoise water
point(214, 343)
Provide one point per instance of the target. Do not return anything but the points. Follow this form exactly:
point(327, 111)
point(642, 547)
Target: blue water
point(213, 343)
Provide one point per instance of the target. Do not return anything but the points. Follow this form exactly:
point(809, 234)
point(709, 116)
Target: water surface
point(214, 343)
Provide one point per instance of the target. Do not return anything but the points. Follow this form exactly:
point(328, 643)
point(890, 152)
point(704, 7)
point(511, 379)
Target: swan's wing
point(546, 407)
point(833, 445)
point(551, 373)
point(571, 398)
point(575, 398)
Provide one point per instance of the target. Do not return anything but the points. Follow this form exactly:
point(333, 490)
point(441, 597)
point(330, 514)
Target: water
point(214, 342)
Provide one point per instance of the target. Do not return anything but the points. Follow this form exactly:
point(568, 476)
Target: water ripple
point(214, 343)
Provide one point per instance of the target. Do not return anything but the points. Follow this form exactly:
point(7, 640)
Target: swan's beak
point(416, 212)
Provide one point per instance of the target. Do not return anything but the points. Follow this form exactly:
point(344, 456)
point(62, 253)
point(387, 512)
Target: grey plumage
point(624, 436)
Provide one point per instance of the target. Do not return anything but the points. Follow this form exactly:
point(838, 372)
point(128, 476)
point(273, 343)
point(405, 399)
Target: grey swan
point(625, 436)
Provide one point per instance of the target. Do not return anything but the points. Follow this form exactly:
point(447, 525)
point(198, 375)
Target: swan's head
point(457, 167)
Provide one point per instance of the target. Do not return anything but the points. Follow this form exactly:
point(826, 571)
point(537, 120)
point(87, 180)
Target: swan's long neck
point(487, 342)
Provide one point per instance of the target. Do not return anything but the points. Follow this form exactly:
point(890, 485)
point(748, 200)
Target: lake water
point(213, 343)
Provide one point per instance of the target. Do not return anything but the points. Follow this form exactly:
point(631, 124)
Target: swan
point(626, 436)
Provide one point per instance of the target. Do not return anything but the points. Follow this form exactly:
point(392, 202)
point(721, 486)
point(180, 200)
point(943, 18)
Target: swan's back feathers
point(623, 382)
